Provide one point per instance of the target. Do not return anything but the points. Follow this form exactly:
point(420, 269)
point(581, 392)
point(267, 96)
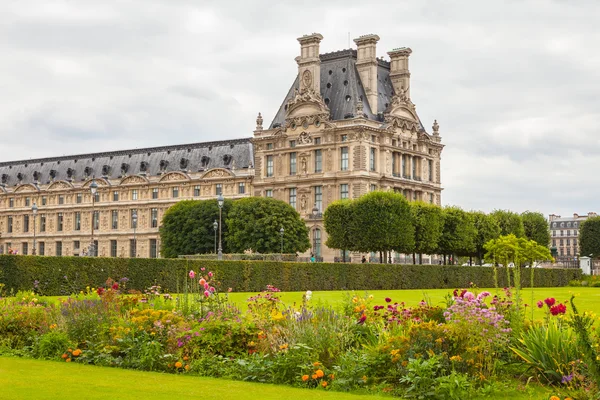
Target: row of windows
point(562, 224)
point(562, 233)
point(133, 195)
point(77, 220)
point(568, 242)
point(318, 162)
point(41, 248)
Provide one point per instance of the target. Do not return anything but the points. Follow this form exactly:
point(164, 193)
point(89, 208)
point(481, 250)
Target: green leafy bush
point(51, 345)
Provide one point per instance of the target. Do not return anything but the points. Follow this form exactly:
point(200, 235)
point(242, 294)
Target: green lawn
point(40, 380)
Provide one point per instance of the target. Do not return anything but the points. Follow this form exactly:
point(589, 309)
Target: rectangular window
point(24, 248)
point(175, 192)
point(27, 201)
point(219, 189)
point(575, 242)
point(373, 138)
point(269, 146)
point(269, 193)
point(97, 197)
point(61, 199)
point(113, 248)
point(269, 166)
point(11, 202)
point(319, 197)
point(25, 223)
point(79, 198)
point(241, 187)
point(43, 223)
point(77, 222)
point(317, 141)
point(154, 217)
point(76, 245)
point(155, 193)
point(96, 219)
point(414, 168)
point(431, 198)
point(372, 159)
point(197, 191)
point(58, 249)
point(115, 196)
point(134, 194)
point(42, 247)
point(153, 249)
point(344, 159)
point(554, 242)
point(430, 162)
point(568, 242)
point(293, 163)
point(44, 200)
point(132, 248)
point(292, 143)
point(344, 138)
point(115, 219)
point(133, 221)
point(10, 224)
point(561, 242)
point(318, 161)
point(344, 191)
point(373, 187)
point(568, 251)
point(293, 197)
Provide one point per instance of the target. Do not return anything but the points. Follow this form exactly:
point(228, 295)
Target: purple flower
point(567, 378)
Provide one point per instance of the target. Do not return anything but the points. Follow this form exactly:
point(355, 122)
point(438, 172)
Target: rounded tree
point(428, 222)
point(255, 223)
point(589, 237)
point(509, 222)
point(458, 233)
point(337, 218)
point(487, 229)
point(536, 227)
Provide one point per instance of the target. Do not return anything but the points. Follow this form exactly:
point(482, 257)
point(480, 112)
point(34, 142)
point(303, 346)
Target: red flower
point(100, 291)
point(362, 319)
point(387, 300)
point(540, 304)
point(550, 301)
point(115, 286)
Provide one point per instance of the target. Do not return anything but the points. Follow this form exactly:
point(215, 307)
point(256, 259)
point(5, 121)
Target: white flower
point(308, 295)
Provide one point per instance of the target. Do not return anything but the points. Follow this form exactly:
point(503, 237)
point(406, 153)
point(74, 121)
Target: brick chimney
point(309, 63)
point(366, 64)
point(399, 73)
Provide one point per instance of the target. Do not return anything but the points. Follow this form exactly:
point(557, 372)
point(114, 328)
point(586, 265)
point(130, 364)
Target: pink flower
point(230, 290)
point(206, 293)
point(192, 274)
point(115, 286)
point(540, 304)
point(206, 286)
point(550, 301)
point(202, 269)
point(210, 274)
point(483, 295)
point(469, 296)
point(212, 289)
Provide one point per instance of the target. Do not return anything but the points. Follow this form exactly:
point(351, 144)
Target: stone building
point(564, 232)
point(347, 126)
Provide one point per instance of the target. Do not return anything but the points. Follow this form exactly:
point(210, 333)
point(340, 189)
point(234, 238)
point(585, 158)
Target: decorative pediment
point(28, 187)
point(218, 173)
point(402, 107)
point(99, 182)
point(174, 176)
point(306, 102)
point(60, 185)
point(395, 122)
point(133, 180)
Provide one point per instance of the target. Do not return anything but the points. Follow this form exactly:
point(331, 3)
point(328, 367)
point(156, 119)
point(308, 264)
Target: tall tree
point(458, 233)
point(382, 222)
point(187, 227)
point(255, 223)
point(536, 227)
point(589, 237)
point(487, 229)
point(509, 222)
point(428, 222)
point(337, 218)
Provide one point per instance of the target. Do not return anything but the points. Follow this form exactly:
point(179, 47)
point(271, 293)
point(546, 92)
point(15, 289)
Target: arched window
point(317, 242)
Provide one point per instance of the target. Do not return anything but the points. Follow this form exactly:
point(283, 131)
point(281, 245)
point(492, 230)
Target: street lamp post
point(134, 219)
point(215, 227)
point(220, 201)
point(34, 210)
point(315, 212)
point(281, 233)
point(93, 189)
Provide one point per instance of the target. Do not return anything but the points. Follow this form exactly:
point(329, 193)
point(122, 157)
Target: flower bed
point(473, 345)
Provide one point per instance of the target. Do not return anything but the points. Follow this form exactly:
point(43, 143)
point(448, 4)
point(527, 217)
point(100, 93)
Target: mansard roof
point(341, 87)
point(192, 157)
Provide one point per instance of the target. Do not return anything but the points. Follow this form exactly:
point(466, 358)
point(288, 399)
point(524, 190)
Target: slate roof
point(341, 87)
point(196, 157)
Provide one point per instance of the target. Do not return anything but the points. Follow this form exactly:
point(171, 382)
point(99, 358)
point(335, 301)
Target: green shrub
point(66, 275)
point(51, 345)
point(575, 283)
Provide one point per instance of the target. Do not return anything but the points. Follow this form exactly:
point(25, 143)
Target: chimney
point(592, 214)
point(309, 63)
point(399, 74)
point(575, 215)
point(366, 64)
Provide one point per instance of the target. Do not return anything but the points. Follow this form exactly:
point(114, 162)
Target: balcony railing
point(319, 215)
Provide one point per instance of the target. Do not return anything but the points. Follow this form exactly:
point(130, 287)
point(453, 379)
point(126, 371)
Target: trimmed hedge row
point(65, 275)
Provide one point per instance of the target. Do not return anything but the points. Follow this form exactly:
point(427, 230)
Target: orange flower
point(64, 356)
point(178, 364)
point(185, 358)
point(68, 360)
point(554, 398)
point(316, 363)
point(331, 376)
point(304, 378)
point(77, 353)
point(314, 376)
point(324, 383)
point(319, 373)
point(187, 367)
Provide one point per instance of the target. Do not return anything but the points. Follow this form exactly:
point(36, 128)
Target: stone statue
point(259, 122)
point(436, 127)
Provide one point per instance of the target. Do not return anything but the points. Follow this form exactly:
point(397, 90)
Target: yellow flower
point(371, 297)
point(364, 378)
point(456, 358)
point(354, 300)
point(283, 346)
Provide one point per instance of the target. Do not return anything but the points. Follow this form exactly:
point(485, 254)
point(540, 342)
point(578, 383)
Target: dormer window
point(204, 161)
point(105, 170)
point(70, 173)
point(227, 158)
point(124, 168)
point(163, 165)
point(53, 174)
point(143, 166)
point(183, 163)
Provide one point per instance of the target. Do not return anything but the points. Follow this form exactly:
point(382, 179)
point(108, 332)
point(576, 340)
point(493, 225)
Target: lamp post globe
point(220, 202)
point(34, 210)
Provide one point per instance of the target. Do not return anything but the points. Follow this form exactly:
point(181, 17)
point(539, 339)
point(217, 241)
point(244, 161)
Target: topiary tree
point(337, 218)
point(509, 222)
point(428, 221)
point(589, 237)
point(255, 223)
point(187, 227)
point(458, 233)
point(487, 229)
point(536, 227)
point(382, 222)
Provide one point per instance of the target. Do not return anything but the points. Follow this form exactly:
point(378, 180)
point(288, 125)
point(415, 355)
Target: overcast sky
point(515, 85)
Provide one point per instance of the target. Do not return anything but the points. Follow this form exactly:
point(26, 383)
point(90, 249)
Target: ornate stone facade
point(346, 127)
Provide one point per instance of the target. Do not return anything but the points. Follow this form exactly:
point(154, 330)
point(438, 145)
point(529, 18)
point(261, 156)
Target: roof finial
point(436, 127)
point(259, 122)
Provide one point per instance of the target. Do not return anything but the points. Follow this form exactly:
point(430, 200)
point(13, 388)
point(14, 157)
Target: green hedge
point(65, 275)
